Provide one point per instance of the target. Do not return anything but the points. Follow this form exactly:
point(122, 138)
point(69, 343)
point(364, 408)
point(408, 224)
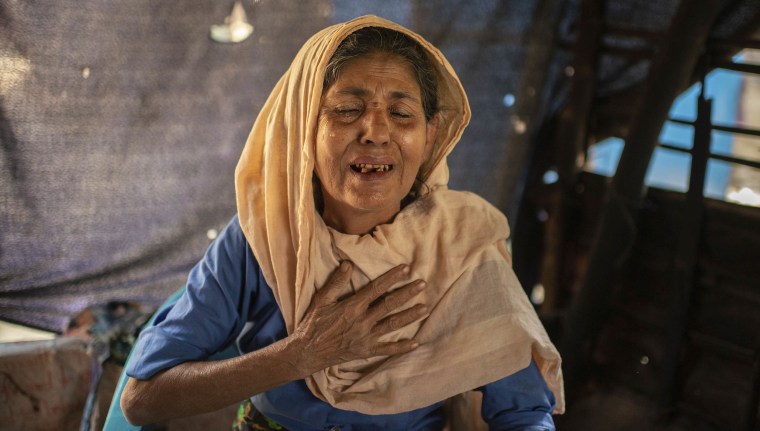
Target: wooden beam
point(571, 136)
point(684, 261)
point(539, 48)
point(670, 73)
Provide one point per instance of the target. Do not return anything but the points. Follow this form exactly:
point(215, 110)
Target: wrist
point(296, 348)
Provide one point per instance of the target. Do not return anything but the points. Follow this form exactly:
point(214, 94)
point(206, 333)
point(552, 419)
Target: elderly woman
point(360, 291)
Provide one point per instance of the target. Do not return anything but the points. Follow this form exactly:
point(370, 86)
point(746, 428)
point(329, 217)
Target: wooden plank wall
point(718, 363)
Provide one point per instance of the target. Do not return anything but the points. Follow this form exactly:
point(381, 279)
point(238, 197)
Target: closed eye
point(346, 115)
point(347, 112)
point(401, 114)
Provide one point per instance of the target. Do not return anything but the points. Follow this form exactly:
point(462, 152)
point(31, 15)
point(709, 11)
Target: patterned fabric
point(248, 418)
point(111, 330)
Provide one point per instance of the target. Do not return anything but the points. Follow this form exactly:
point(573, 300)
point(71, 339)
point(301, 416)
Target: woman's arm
point(333, 331)
point(203, 386)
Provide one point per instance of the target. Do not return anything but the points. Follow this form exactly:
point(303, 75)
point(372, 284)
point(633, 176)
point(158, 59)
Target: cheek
point(414, 150)
point(327, 155)
point(325, 167)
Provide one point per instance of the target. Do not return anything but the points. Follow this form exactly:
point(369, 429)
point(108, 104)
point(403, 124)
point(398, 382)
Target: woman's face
point(372, 138)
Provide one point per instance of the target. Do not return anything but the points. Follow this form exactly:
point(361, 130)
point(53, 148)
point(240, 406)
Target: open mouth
point(364, 168)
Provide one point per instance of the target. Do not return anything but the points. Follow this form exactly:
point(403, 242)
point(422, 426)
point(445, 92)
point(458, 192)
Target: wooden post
point(670, 72)
point(686, 252)
point(539, 46)
point(571, 135)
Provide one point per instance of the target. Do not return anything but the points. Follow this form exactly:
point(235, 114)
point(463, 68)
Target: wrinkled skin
point(371, 115)
point(332, 332)
point(338, 331)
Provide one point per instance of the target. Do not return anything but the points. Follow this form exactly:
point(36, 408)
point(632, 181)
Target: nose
point(376, 128)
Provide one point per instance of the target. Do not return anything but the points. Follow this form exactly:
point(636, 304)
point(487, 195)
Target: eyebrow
point(363, 92)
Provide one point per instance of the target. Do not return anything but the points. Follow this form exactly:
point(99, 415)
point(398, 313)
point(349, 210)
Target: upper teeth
point(366, 167)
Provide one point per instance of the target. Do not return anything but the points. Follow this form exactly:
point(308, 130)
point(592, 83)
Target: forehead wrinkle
point(353, 91)
point(398, 94)
point(363, 92)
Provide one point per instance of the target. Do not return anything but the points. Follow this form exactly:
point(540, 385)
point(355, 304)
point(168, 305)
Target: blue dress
point(228, 301)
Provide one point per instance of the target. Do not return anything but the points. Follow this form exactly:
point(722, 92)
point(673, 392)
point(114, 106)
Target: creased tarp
point(121, 123)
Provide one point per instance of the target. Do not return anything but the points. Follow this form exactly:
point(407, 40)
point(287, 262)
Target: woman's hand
point(336, 330)
point(333, 331)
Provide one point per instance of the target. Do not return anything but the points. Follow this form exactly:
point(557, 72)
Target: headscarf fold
point(481, 326)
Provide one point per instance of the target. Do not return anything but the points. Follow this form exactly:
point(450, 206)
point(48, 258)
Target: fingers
point(379, 286)
point(389, 349)
point(392, 323)
point(392, 301)
point(399, 320)
point(336, 284)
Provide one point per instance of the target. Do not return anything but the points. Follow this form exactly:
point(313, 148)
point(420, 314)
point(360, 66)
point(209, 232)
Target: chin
point(375, 199)
point(371, 204)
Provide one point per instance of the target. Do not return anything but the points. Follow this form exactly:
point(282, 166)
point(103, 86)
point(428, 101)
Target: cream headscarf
point(481, 326)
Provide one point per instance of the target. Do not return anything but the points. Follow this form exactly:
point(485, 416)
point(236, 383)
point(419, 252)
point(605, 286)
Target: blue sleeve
point(521, 401)
point(209, 315)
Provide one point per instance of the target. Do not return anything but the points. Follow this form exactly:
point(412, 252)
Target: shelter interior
point(635, 225)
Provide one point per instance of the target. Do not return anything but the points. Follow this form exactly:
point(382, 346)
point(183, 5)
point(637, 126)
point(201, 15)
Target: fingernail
point(344, 266)
point(420, 285)
point(423, 309)
point(406, 269)
point(415, 345)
